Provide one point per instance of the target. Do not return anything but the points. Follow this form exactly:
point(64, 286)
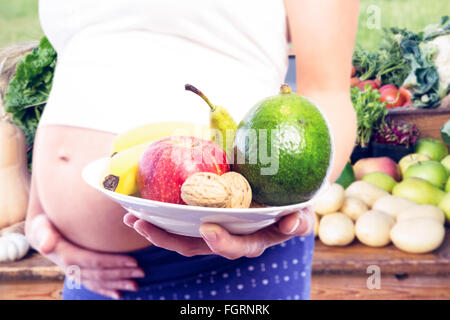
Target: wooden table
point(33, 277)
point(338, 273)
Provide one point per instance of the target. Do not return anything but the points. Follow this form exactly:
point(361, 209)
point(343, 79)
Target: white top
point(124, 63)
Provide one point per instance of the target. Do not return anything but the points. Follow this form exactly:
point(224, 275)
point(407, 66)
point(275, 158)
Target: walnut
point(206, 189)
point(241, 192)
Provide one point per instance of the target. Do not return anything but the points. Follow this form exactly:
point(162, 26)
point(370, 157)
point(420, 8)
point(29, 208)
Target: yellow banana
point(129, 146)
point(122, 170)
point(155, 131)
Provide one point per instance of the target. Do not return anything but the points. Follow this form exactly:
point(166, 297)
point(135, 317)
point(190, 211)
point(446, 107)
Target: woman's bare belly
point(83, 215)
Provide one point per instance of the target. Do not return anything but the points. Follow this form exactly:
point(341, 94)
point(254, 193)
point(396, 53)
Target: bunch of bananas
point(128, 147)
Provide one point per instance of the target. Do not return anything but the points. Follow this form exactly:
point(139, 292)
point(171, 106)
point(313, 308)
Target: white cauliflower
point(442, 62)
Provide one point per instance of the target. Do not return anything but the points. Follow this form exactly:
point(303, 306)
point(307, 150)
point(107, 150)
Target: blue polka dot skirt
point(282, 272)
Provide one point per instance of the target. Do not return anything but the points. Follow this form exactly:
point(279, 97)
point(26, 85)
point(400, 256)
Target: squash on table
point(14, 174)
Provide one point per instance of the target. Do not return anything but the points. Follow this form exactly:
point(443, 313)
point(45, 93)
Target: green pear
point(446, 163)
point(410, 159)
point(432, 171)
point(380, 179)
point(447, 185)
point(220, 120)
point(444, 204)
point(418, 190)
point(433, 148)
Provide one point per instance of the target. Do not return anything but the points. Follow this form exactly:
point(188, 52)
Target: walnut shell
point(241, 192)
point(206, 189)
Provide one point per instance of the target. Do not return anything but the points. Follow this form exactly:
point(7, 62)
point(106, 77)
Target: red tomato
point(352, 74)
point(372, 83)
point(392, 98)
point(387, 86)
point(407, 95)
point(354, 82)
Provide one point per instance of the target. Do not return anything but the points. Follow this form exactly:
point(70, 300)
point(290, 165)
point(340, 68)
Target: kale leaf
point(28, 91)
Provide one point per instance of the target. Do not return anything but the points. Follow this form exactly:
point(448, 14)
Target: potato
point(366, 191)
point(392, 205)
point(330, 201)
point(373, 227)
point(422, 211)
point(336, 229)
point(316, 225)
point(353, 207)
point(418, 235)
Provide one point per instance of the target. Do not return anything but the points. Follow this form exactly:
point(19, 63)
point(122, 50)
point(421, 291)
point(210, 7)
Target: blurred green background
point(19, 18)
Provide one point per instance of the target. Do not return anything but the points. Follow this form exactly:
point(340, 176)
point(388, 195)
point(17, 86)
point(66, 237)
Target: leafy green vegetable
point(445, 132)
point(370, 112)
point(393, 68)
point(367, 63)
point(28, 90)
point(405, 58)
point(387, 64)
point(423, 78)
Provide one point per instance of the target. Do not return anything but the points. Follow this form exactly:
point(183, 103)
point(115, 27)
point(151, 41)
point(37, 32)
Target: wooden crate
point(429, 121)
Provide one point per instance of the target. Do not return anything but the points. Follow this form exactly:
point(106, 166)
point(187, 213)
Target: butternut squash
point(14, 174)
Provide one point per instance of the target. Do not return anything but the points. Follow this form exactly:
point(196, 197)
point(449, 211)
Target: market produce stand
point(338, 273)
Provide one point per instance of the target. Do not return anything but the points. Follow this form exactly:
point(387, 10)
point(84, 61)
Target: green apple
point(444, 204)
point(410, 159)
point(447, 185)
point(446, 163)
point(433, 148)
point(418, 190)
point(380, 179)
point(432, 171)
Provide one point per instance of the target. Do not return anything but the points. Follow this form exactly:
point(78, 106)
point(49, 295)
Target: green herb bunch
point(370, 112)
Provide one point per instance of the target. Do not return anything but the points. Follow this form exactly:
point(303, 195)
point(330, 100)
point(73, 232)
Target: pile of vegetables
point(415, 66)
point(373, 123)
point(28, 90)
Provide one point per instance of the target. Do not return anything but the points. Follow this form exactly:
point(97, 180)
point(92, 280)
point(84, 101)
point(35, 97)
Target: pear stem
point(193, 89)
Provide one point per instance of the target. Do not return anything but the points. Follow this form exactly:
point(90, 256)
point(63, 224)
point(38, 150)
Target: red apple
point(381, 164)
point(168, 162)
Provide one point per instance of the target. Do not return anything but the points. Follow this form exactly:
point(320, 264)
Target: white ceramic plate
point(186, 220)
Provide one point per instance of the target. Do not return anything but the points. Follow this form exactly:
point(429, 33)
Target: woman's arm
point(323, 34)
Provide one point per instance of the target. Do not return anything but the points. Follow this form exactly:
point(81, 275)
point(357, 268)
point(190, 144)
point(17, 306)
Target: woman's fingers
point(129, 219)
point(111, 274)
point(300, 223)
point(72, 255)
point(95, 287)
point(125, 285)
point(187, 246)
point(221, 242)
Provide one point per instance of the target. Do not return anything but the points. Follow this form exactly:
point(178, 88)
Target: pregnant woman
point(124, 63)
